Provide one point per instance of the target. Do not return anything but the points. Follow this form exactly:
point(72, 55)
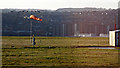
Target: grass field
point(57, 51)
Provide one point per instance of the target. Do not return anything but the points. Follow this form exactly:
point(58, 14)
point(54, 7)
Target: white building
point(103, 35)
point(85, 35)
point(114, 38)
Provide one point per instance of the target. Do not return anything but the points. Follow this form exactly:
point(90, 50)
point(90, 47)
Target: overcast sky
point(55, 4)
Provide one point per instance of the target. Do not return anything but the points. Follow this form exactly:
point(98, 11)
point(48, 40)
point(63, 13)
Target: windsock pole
point(31, 31)
point(32, 38)
point(33, 42)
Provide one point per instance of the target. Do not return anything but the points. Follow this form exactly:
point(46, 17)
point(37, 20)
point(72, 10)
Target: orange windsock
point(32, 17)
point(35, 18)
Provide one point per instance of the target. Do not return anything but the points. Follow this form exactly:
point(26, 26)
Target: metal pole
point(95, 30)
point(115, 22)
point(63, 30)
point(75, 29)
point(31, 32)
point(108, 28)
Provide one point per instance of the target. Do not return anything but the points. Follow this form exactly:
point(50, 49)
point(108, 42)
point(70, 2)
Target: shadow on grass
point(60, 66)
point(31, 48)
point(89, 46)
point(40, 47)
point(52, 47)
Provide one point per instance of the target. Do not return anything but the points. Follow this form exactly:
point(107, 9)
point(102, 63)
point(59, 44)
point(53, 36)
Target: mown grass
point(57, 51)
point(19, 42)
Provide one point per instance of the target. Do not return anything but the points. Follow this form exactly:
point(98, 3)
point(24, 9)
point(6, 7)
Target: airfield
point(58, 51)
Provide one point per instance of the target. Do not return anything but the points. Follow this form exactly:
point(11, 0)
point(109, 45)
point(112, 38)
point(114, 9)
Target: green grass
point(21, 42)
point(61, 52)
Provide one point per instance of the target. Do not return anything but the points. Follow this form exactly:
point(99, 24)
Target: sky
point(55, 4)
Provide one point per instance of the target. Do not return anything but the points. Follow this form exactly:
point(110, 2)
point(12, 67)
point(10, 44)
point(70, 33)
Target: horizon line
point(60, 8)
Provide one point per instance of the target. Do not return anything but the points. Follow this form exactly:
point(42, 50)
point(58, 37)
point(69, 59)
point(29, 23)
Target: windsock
point(35, 18)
